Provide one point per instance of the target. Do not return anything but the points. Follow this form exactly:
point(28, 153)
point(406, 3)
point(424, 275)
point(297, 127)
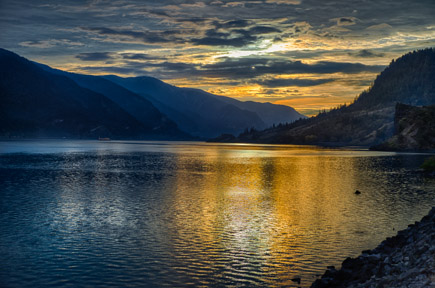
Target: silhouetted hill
point(271, 114)
point(410, 80)
point(37, 103)
point(205, 114)
point(370, 119)
point(137, 106)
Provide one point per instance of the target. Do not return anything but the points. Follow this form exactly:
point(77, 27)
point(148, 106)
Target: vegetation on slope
point(370, 119)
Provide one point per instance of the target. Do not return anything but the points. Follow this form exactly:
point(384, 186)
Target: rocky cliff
point(414, 129)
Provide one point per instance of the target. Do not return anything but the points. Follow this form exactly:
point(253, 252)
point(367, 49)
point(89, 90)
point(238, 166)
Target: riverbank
point(405, 260)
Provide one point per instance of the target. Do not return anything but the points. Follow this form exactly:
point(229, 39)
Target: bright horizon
point(309, 55)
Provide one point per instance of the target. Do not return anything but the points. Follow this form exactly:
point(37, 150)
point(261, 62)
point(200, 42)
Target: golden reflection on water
point(226, 214)
point(153, 214)
point(261, 206)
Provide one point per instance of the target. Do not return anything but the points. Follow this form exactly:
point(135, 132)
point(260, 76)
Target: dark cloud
point(212, 37)
point(95, 56)
point(164, 69)
point(112, 70)
point(176, 66)
point(367, 54)
point(105, 56)
point(235, 38)
point(263, 30)
point(140, 56)
point(196, 20)
point(246, 68)
point(275, 83)
point(233, 24)
point(144, 36)
point(343, 21)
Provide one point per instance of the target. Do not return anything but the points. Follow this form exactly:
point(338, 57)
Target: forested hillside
point(370, 119)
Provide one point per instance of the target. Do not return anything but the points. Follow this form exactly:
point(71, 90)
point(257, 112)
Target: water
point(156, 214)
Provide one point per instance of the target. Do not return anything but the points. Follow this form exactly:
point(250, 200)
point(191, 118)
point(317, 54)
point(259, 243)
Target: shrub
point(429, 164)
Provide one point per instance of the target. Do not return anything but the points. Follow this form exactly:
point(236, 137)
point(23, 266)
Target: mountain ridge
point(144, 99)
point(207, 107)
point(137, 106)
point(370, 119)
point(37, 103)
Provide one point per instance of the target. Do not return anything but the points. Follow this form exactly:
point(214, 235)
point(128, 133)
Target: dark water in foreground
point(142, 214)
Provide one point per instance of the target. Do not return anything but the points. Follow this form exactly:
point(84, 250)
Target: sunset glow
point(329, 52)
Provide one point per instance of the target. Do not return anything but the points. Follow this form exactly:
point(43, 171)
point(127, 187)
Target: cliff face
point(414, 129)
point(335, 128)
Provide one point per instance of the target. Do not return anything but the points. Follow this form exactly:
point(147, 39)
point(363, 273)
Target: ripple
point(207, 218)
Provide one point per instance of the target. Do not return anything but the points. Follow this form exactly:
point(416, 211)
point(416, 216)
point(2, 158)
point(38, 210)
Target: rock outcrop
point(405, 260)
point(414, 129)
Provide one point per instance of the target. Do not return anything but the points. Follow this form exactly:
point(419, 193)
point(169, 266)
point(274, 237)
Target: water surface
point(177, 214)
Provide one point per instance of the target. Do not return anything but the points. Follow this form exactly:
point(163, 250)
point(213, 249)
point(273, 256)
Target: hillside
point(138, 107)
point(414, 129)
point(370, 119)
point(37, 103)
point(204, 114)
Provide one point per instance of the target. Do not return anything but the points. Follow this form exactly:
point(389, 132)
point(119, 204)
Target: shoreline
point(404, 260)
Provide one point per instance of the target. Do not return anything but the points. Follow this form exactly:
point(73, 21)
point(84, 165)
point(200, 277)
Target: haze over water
point(138, 214)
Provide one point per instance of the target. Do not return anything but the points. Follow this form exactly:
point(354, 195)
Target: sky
point(308, 54)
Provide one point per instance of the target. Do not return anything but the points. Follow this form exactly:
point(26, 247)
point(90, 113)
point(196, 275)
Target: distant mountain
point(38, 103)
point(370, 119)
point(204, 114)
point(414, 129)
point(271, 114)
point(137, 106)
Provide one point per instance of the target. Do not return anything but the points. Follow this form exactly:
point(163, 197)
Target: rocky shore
point(405, 260)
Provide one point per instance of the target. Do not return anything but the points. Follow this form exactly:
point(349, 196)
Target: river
point(182, 214)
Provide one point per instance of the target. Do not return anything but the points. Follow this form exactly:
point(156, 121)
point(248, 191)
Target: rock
point(357, 192)
point(405, 260)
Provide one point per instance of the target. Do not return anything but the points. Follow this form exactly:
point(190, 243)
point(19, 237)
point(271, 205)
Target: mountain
point(370, 119)
point(271, 114)
point(204, 114)
point(38, 103)
point(414, 129)
point(137, 106)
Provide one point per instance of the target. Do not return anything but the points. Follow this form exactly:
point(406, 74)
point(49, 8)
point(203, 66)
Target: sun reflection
point(250, 205)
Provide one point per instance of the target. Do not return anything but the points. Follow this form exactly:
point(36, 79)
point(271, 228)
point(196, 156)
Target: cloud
point(235, 38)
point(104, 56)
point(240, 23)
point(219, 36)
point(345, 21)
point(164, 70)
point(145, 36)
point(250, 67)
point(279, 82)
point(382, 26)
point(263, 30)
point(140, 56)
point(95, 56)
point(286, 2)
point(45, 44)
point(365, 53)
